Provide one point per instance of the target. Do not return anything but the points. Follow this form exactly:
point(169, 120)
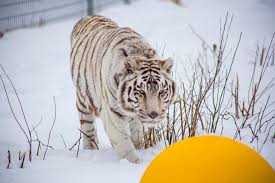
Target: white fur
point(124, 133)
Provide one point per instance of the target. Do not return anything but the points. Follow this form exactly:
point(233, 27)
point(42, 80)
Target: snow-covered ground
point(37, 59)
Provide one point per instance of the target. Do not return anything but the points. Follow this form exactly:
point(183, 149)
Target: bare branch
point(63, 141)
point(22, 110)
point(23, 160)
point(12, 111)
point(50, 129)
point(9, 159)
point(78, 140)
point(78, 146)
point(89, 138)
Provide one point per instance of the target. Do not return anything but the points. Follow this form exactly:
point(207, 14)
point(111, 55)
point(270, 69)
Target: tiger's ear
point(167, 65)
point(130, 66)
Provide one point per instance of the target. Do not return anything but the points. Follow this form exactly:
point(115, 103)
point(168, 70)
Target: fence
point(16, 14)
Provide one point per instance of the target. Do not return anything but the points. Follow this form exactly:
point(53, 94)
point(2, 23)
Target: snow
point(37, 59)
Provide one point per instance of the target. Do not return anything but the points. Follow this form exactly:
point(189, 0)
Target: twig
point(266, 137)
point(50, 129)
point(37, 138)
point(63, 141)
point(38, 148)
point(78, 146)
point(89, 137)
point(34, 127)
point(19, 155)
point(12, 111)
point(22, 110)
point(75, 143)
point(9, 159)
point(23, 160)
point(41, 143)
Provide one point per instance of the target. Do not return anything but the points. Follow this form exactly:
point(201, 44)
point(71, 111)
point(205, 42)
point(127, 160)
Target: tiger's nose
point(153, 114)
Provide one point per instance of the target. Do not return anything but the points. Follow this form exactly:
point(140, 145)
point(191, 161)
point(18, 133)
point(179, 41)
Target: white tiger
point(120, 78)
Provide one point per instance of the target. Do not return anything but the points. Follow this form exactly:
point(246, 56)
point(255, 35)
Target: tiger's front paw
point(133, 157)
point(138, 145)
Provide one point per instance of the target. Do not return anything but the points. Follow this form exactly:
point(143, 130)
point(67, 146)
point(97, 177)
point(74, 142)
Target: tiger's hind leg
point(87, 122)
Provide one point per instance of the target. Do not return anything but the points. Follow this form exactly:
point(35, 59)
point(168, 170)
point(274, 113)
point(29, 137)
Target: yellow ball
point(206, 159)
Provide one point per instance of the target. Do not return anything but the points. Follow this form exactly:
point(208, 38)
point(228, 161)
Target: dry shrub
point(25, 125)
point(206, 98)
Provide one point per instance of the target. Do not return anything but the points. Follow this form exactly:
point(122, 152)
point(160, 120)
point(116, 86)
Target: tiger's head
point(146, 89)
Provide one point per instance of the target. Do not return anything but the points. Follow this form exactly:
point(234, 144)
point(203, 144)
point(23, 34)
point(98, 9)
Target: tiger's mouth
point(149, 120)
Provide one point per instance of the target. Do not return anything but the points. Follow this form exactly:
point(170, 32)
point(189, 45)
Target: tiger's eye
point(141, 92)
